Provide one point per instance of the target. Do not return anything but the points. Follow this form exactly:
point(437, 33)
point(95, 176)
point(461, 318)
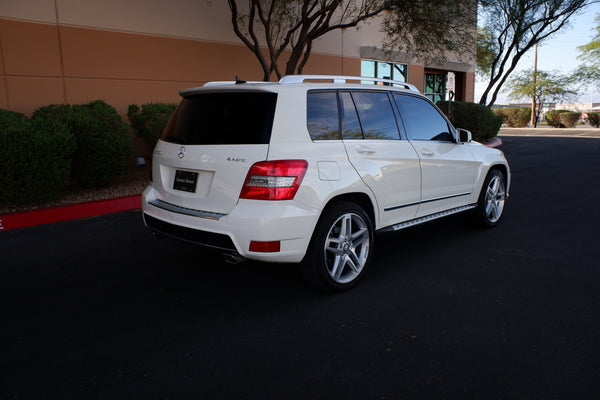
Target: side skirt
point(427, 218)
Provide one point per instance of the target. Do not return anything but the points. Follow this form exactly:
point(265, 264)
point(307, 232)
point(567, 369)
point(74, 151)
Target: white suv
point(294, 171)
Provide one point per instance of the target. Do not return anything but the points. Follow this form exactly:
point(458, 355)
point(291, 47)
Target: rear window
point(223, 118)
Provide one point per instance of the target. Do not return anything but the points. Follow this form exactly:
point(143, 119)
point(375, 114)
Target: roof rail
point(343, 79)
point(221, 83)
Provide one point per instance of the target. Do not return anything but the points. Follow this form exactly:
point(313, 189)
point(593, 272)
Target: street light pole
point(533, 116)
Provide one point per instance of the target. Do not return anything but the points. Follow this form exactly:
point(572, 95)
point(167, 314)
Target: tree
point(587, 75)
point(548, 86)
point(590, 52)
point(294, 24)
point(487, 51)
point(428, 29)
point(516, 26)
point(589, 72)
point(431, 30)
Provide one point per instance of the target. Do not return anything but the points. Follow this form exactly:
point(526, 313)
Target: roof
point(303, 79)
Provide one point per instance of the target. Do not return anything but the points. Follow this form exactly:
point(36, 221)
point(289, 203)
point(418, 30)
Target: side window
point(323, 116)
point(421, 120)
point(350, 126)
point(376, 115)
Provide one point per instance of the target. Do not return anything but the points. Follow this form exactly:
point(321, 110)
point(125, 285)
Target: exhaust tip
point(233, 258)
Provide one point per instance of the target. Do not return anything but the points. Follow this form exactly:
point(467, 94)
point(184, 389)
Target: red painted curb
point(494, 143)
point(82, 210)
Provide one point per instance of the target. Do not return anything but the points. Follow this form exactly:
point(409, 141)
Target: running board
point(427, 218)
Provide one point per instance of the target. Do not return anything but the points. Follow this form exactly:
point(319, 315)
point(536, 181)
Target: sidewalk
point(583, 132)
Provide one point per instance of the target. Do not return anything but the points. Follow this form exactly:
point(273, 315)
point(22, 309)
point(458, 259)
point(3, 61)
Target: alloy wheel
point(347, 247)
point(495, 197)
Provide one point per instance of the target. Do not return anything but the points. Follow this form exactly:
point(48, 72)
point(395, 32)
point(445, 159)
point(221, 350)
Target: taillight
point(274, 180)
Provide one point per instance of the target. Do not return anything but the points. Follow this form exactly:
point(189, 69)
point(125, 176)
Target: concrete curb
point(74, 211)
point(495, 142)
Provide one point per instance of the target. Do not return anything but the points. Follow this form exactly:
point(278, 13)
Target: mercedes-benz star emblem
point(181, 152)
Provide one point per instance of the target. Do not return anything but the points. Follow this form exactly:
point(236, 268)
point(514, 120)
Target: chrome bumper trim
point(186, 211)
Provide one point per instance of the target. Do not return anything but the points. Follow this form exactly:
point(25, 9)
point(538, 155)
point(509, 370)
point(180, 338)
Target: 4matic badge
point(235, 159)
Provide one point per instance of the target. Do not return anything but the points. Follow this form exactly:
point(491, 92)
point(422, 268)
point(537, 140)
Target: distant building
point(579, 107)
point(583, 108)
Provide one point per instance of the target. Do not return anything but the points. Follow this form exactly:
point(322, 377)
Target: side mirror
point(463, 136)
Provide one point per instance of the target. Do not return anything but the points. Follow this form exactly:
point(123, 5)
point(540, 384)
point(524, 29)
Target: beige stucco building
point(137, 51)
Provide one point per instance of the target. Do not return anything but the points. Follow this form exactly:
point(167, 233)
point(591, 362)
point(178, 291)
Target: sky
point(559, 53)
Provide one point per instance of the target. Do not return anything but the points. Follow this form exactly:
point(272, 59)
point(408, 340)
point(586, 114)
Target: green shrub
point(518, 117)
point(12, 119)
point(553, 118)
point(149, 121)
point(103, 140)
point(500, 112)
point(594, 119)
point(569, 119)
point(36, 158)
point(514, 117)
point(480, 120)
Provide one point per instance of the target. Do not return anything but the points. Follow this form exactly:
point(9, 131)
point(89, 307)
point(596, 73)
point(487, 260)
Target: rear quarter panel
point(329, 172)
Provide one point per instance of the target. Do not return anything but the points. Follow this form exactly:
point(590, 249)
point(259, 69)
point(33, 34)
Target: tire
point(492, 200)
point(340, 249)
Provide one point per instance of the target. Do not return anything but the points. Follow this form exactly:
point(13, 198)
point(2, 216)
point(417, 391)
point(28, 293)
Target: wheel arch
point(314, 265)
point(504, 170)
point(361, 199)
point(500, 167)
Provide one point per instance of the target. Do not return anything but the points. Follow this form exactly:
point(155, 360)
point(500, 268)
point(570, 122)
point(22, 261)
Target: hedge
point(36, 158)
point(500, 113)
point(553, 118)
point(480, 120)
point(569, 119)
point(594, 119)
point(149, 121)
point(518, 117)
point(103, 140)
point(514, 117)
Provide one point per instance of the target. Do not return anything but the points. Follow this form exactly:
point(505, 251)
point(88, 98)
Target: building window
point(384, 70)
point(435, 86)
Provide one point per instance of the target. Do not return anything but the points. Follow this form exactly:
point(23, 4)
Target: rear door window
point(376, 115)
point(350, 125)
point(223, 118)
point(323, 115)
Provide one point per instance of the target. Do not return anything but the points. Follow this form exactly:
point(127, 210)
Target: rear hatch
point(208, 146)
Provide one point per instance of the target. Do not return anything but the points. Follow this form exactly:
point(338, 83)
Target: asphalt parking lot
point(95, 308)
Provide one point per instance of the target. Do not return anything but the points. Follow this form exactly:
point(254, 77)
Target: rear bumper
point(208, 239)
point(289, 222)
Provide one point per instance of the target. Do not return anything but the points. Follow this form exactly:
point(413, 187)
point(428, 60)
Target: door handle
point(364, 149)
point(426, 152)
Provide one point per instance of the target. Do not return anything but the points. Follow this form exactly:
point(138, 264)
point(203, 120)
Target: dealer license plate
point(185, 181)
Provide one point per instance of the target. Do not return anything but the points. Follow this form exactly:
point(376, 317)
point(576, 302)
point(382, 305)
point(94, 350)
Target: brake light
point(274, 180)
